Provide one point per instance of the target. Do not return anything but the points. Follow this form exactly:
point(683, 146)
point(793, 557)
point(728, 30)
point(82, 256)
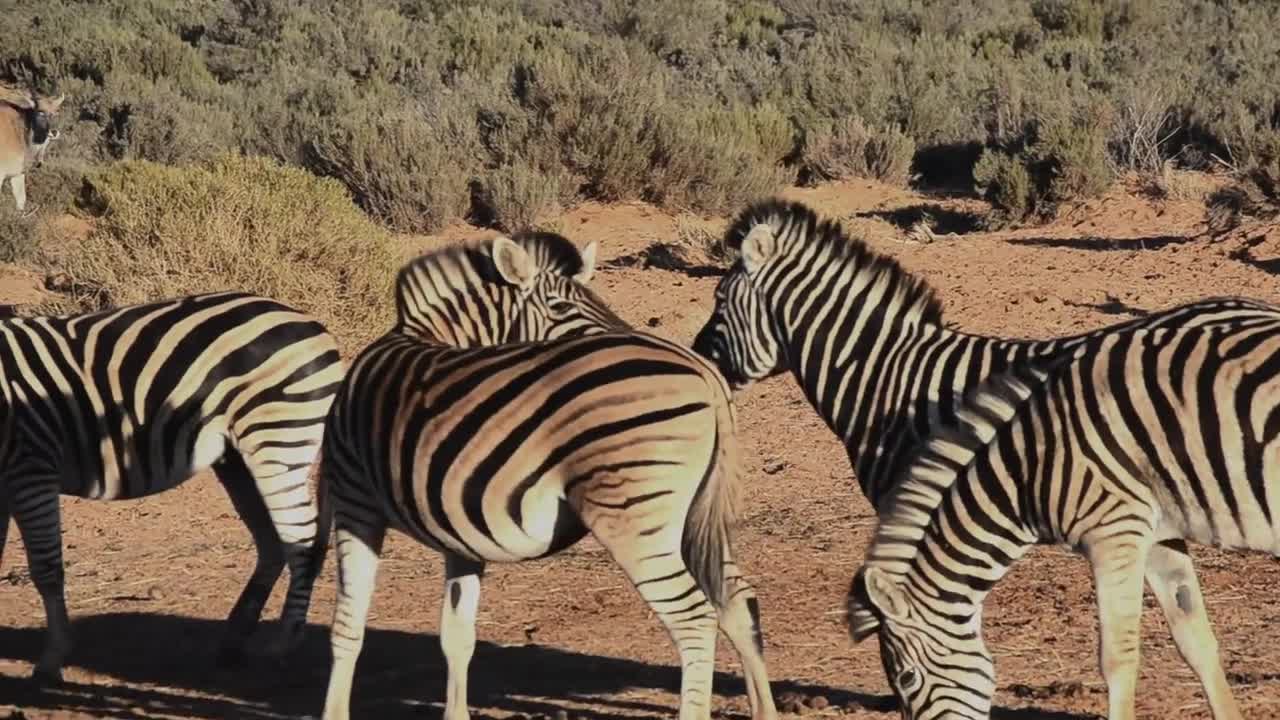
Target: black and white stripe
point(864, 338)
point(1124, 451)
point(489, 450)
point(130, 402)
point(866, 341)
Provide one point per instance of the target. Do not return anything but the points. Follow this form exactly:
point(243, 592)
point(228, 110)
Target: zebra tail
point(709, 526)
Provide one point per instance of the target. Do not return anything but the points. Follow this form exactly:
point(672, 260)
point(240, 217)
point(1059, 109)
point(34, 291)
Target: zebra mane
point(799, 221)
point(906, 509)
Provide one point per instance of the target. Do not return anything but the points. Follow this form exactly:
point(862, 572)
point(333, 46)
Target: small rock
point(155, 593)
point(819, 702)
point(653, 322)
point(775, 467)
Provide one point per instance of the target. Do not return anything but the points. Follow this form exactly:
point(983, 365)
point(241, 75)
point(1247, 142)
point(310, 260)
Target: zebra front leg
point(740, 622)
point(252, 509)
point(358, 546)
point(35, 507)
point(458, 628)
point(1172, 577)
point(1117, 564)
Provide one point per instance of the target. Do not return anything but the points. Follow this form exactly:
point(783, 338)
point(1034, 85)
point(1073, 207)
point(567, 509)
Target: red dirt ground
point(150, 581)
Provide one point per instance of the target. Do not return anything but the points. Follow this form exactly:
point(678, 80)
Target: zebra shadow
point(157, 665)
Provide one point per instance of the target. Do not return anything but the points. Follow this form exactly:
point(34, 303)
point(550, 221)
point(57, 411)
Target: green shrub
point(235, 223)
point(1072, 149)
point(1003, 179)
point(400, 164)
point(424, 109)
point(517, 195)
point(847, 148)
point(1065, 158)
point(713, 160)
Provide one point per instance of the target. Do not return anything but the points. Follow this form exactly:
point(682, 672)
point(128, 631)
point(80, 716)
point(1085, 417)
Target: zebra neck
point(883, 382)
point(961, 555)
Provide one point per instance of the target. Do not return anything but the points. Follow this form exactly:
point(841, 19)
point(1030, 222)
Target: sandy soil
point(150, 581)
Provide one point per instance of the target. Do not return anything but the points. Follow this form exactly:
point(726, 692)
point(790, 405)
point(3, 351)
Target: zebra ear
point(588, 263)
point(758, 247)
point(885, 594)
point(860, 614)
point(513, 262)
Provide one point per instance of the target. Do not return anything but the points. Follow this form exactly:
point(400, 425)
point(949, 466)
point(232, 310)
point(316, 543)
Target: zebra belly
point(122, 475)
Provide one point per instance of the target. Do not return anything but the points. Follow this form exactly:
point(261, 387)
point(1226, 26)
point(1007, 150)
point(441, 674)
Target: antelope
point(25, 134)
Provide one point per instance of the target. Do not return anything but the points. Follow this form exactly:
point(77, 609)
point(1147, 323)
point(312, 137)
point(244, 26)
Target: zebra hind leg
point(35, 507)
point(4, 521)
point(651, 557)
point(252, 509)
point(1172, 578)
point(1117, 563)
point(740, 622)
point(357, 545)
point(458, 629)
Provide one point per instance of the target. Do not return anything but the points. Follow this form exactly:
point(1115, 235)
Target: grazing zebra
point(1154, 438)
point(130, 402)
point(495, 451)
point(866, 342)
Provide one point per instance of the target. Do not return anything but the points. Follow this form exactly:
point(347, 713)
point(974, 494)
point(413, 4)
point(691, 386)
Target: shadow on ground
point(1101, 244)
point(166, 663)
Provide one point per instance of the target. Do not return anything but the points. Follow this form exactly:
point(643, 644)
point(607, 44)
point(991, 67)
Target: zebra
point(129, 402)
point(507, 414)
point(1154, 438)
point(866, 342)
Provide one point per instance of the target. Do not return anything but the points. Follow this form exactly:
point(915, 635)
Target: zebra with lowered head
point(130, 402)
point(866, 342)
point(508, 414)
point(1153, 438)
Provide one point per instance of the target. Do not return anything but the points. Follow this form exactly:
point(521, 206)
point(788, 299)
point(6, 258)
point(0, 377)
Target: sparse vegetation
point(502, 111)
point(233, 223)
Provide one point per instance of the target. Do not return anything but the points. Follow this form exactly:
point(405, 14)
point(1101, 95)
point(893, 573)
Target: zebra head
point(551, 278)
point(528, 287)
point(936, 663)
point(742, 337)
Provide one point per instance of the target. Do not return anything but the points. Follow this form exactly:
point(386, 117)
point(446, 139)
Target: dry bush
point(1170, 183)
point(1140, 136)
point(19, 236)
point(848, 148)
point(235, 223)
point(704, 239)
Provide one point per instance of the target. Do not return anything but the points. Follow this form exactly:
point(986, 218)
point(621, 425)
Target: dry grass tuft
point(234, 223)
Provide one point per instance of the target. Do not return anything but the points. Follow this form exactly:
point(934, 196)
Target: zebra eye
point(907, 680)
